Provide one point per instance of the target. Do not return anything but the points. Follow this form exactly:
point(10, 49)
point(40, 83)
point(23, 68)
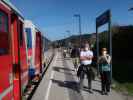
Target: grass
point(129, 88)
point(126, 88)
point(122, 74)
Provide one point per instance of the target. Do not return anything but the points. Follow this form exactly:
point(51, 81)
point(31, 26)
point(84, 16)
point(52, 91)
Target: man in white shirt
point(86, 59)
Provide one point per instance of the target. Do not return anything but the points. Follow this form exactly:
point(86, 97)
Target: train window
point(29, 37)
point(21, 33)
point(3, 22)
point(4, 34)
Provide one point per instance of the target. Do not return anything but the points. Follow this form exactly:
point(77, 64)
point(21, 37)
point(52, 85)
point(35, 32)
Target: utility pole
point(80, 31)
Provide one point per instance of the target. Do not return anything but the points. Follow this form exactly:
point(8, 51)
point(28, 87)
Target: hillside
point(75, 39)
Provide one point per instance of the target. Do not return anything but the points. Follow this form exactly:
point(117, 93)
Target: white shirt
point(88, 53)
point(65, 50)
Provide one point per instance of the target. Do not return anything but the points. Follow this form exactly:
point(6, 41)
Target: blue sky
point(54, 17)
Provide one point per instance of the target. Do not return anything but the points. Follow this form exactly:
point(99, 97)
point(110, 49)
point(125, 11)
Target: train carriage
point(13, 61)
point(47, 52)
point(6, 74)
point(34, 45)
point(22, 51)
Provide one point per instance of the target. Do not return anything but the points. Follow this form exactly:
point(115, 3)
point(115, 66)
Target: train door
point(6, 80)
point(38, 56)
point(43, 50)
point(20, 68)
point(23, 57)
point(29, 43)
point(29, 51)
point(16, 57)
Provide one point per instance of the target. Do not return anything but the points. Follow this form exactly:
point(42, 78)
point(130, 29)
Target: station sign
point(103, 19)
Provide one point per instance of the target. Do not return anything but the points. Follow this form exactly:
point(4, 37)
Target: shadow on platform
point(85, 88)
point(67, 84)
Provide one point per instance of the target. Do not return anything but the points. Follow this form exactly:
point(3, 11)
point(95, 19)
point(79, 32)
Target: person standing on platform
point(104, 67)
point(86, 59)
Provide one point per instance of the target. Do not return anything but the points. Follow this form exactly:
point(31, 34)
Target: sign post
point(100, 21)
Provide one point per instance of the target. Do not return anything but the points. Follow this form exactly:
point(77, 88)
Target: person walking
point(75, 56)
point(64, 52)
point(104, 67)
point(86, 56)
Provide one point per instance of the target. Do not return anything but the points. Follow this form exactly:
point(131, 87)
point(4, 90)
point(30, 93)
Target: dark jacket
point(75, 53)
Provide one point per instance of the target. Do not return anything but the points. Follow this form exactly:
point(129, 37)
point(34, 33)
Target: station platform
point(61, 83)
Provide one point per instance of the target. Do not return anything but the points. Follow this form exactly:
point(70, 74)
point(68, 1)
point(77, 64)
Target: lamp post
point(69, 39)
point(69, 32)
point(80, 31)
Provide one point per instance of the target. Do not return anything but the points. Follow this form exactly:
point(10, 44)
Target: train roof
point(30, 24)
point(7, 2)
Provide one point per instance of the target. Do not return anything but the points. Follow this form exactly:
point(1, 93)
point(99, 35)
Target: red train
point(21, 53)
